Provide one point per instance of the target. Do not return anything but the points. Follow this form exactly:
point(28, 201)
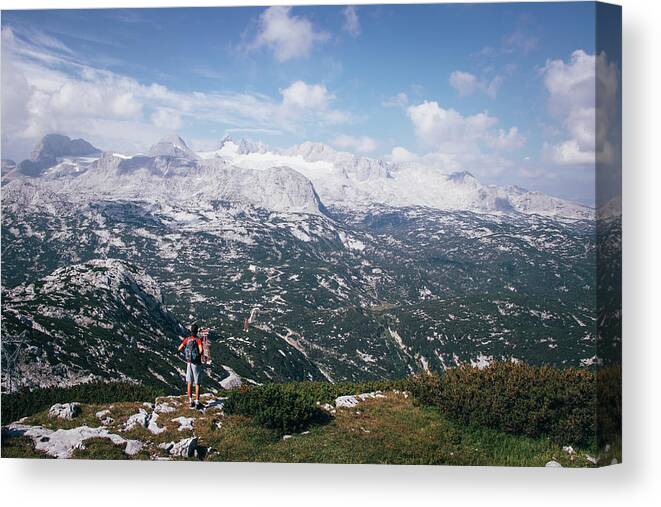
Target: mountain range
point(346, 267)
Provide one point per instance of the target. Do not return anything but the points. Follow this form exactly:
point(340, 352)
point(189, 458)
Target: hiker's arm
point(199, 345)
point(181, 346)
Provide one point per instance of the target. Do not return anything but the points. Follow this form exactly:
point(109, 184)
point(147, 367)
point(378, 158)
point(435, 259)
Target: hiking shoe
point(198, 405)
point(192, 404)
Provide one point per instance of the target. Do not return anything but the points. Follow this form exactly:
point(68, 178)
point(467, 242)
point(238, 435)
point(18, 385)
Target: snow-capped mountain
point(300, 178)
point(172, 146)
point(347, 267)
point(347, 180)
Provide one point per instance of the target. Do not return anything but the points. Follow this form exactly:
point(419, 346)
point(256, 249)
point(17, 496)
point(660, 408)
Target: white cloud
point(304, 96)
point(166, 119)
point(449, 131)
point(572, 100)
point(288, 36)
point(491, 87)
point(399, 100)
point(467, 84)
point(45, 89)
point(400, 154)
point(464, 82)
point(351, 21)
point(457, 142)
point(312, 102)
point(361, 144)
point(506, 139)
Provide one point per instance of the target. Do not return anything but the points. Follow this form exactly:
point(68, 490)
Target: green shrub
point(24, 403)
point(275, 406)
point(609, 404)
point(517, 398)
point(326, 392)
point(424, 387)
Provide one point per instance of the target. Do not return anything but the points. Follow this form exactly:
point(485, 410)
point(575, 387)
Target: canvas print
point(323, 234)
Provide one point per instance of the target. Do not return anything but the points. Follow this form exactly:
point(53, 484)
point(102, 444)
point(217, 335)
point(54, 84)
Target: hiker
point(193, 350)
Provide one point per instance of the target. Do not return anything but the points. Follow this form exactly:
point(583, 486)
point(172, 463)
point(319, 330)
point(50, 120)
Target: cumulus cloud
point(452, 141)
point(302, 95)
point(288, 36)
point(360, 144)
point(312, 101)
point(400, 154)
point(351, 21)
point(47, 89)
point(572, 87)
point(449, 131)
point(467, 84)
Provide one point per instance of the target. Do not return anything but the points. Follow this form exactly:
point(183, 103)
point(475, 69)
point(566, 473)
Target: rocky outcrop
point(62, 443)
point(183, 448)
point(352, 401)
point(64, 410)
point(52, 147)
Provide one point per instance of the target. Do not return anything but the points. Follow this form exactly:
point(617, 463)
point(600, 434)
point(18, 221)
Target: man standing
point(192, 347)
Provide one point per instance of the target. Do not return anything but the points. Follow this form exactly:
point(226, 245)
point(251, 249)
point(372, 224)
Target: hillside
point(385, 428)
point(103, 319)
point(335, 288)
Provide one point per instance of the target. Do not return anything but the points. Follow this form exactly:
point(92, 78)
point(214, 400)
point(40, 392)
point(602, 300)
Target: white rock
point(233, 381)
point(216, 403)
point(185, 423)
point(153, 426)
point(166, 446)
point(64, 410)
point(346, 402)
point(184, 448)
point(164, 408)
point(141, 419)
point(286, 437)
point(352, 401)
point(614, 461)
point(62, 443)
point(553, 463)
point(104, 417)
point(568, 449)
point(591, 459)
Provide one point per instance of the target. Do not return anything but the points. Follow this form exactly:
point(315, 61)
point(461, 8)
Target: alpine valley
point(345, 267)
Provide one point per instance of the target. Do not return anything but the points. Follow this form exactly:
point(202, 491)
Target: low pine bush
point(275, 406)
point(25, 403)
point(516, 398)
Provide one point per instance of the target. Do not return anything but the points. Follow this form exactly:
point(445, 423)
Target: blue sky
point(500, 90)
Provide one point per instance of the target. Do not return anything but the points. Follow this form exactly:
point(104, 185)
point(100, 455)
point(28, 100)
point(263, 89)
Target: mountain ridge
point(337, 178)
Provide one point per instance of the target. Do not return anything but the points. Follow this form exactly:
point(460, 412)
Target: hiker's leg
point(189, 379)
point(197, 392)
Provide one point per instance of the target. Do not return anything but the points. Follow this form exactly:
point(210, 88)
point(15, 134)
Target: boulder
point(104, 417)
point(153, 426)
point(141, 419)
point(64, 410)
point(184, 448)
point(185, 423)
point(553, 464)
point(164, 408)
